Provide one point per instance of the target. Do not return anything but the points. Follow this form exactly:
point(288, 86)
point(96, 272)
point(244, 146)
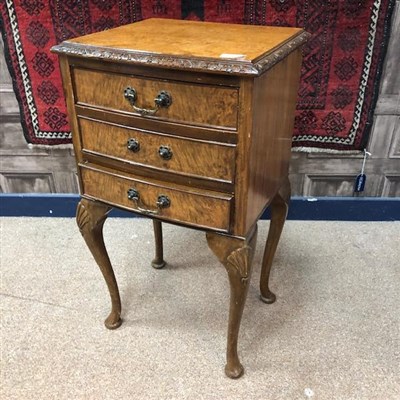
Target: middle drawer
point(169, 153)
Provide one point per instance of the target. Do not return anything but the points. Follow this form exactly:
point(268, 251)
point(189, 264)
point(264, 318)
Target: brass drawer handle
point(133, 145)
point(162, 202)
point(165, 152)
point(163, 100)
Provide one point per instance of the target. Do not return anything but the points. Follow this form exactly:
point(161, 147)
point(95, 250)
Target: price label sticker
point(233, 56)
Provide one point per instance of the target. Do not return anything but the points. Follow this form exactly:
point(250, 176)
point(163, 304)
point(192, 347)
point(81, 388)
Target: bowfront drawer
point(195, 104)
point(166, 152)
point(175, 203)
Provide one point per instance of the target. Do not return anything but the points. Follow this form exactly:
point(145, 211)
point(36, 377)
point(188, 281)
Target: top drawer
point(194, 104)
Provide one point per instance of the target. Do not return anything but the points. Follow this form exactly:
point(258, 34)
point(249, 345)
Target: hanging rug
point(340, 73)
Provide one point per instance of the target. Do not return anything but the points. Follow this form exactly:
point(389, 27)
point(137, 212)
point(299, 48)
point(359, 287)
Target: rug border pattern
point(316, 142)
point(58, 137)
point(350, 139)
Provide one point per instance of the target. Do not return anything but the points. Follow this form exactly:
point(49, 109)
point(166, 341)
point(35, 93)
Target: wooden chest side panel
point(274, 104)
point(245, 127)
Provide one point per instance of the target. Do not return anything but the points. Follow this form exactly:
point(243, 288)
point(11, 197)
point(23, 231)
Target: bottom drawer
point(182, 204)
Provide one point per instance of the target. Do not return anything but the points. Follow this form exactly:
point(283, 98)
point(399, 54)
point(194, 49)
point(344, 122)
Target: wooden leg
point(236, 255)
point(90, 217)
point(158, 261)
point(279, 208)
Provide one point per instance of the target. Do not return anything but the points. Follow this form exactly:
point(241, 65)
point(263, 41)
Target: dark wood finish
point(265, 127)
point(279, 208)
point(90, 217)
point(158, 261)
point(70, 100)
point(245, 131)
point(236, 254)
point(225, 140)
point(274, 102)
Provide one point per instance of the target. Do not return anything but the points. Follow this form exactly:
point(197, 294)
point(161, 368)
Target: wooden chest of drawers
point(191, 127)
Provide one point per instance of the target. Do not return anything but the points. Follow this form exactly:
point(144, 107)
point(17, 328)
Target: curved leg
point(158, 261)
point(236, 255)
point(279, 208)
point(90, 217)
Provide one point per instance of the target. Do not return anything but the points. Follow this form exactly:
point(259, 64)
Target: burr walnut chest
point(189, 123)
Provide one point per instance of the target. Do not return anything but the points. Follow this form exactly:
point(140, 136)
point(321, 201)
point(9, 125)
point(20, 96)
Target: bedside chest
point(189, 123)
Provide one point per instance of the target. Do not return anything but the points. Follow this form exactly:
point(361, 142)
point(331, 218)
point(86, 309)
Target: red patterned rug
point(340, 74)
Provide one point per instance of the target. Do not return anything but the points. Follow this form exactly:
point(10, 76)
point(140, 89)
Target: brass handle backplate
point(163, 100)
point(163, 201)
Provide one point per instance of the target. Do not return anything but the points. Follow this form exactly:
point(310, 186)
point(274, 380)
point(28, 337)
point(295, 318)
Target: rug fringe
point(302, 149)
point(50, 146)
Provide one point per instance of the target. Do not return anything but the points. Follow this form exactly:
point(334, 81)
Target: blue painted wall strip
point(322, 208)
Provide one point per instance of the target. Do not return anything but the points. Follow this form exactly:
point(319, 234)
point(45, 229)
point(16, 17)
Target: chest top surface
point(180, 44)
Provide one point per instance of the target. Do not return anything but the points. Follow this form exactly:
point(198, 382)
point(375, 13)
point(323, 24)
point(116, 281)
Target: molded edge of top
point(222, 66)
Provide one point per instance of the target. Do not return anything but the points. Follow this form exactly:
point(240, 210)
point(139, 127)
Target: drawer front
point(202, 209)
point(191, 103)
point(187, 156)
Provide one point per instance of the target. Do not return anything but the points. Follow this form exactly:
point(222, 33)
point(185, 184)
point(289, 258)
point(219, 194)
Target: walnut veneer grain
point(193, 39)
point(191, 103)
point(214, 158)
point(203, 209)
point(189, 156)
point(222, 48)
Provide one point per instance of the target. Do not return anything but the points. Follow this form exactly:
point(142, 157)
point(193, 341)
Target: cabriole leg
point(90, 217)
point(279, 209)
point(236, 255)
